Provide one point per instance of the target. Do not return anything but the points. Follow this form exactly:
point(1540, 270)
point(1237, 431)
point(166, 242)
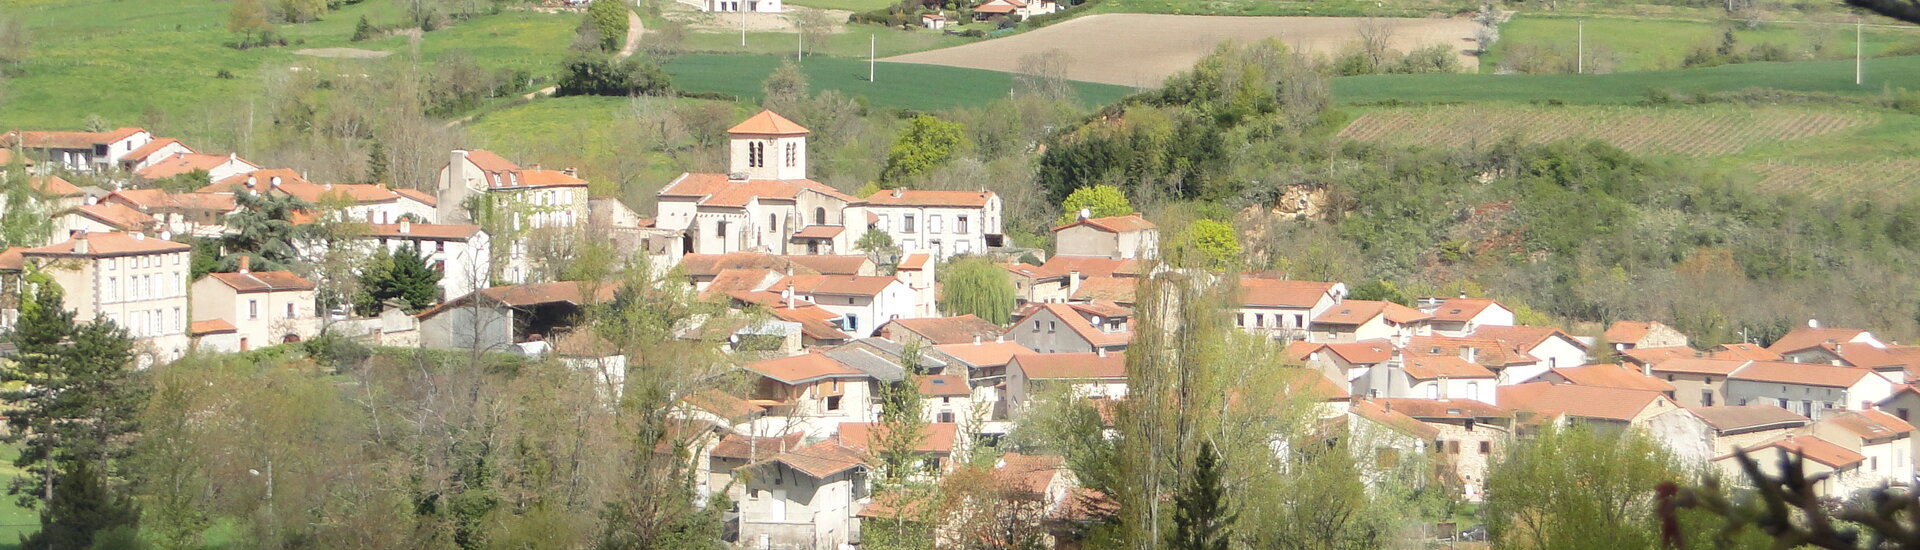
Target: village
point(1453, 378)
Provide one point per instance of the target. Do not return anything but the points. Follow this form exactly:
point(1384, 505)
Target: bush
point(599, 74)
point(364, 30)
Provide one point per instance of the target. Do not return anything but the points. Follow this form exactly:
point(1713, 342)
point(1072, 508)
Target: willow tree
point(976, 286)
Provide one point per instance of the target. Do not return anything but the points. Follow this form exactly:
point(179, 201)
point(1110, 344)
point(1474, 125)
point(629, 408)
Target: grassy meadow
point(1624, 43)
point(902, 85)
point(125, 60)
point(1882, 74)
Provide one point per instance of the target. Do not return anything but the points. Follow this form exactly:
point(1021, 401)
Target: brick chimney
point(246, 264)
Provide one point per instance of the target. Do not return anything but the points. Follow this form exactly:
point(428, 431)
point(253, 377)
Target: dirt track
point(1143, 50)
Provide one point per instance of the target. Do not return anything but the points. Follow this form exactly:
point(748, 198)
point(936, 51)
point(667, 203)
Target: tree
point(1215, 243)
point(82, 510)
point(1381, 290)
point(926, 144)
point(249, 19)
point(402, 276)
point(1578, 487)
point(24, 216)
point(601, 74)
point(1200, 516)
point(814, 27)
point(880, 248)
point(263, 229)
point(379, 166)
point(187, 182)
point(364, 30)
point(901, 426)
point(786, 86)
point(1100, 201)
point(609, 19)
point(976, 286)
point(1904, 10)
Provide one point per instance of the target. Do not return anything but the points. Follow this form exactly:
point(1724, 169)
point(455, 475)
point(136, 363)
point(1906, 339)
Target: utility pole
point(873, 48)
point(1858, 57)
point(800, 40)
point(743, 22)
point(1580, 46)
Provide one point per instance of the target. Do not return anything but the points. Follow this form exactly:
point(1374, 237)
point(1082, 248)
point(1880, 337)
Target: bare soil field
point(1143, 49)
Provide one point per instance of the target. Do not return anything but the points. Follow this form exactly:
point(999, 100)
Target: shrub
point(599, 74)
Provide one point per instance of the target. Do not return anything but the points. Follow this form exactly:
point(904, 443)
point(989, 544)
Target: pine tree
point(410, 280)
point(1200, 517)
point(36, 338)
point(378, 165)
point(263, 229)
point(82, 508)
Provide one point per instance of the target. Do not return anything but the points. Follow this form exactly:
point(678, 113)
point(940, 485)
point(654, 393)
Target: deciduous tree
point(927, 143)
point(976, 286)
point(1100, 201)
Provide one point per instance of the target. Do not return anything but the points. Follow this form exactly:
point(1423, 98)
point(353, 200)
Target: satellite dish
point(1813, 323)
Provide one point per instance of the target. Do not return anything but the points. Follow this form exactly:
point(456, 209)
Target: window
point(1453, 447)
point(1051, 326)
point(253, 309)
point(113, 263)
point(1486, 447)
point(1902, 413)
point(289, 311)
point(720, 229)
point(907, 225)
point(853, 322)
point(946, 417)
point(1706, 398)
point(1036, 327)
point(756, 154)
point(440, 246)
point(1240, 320)
point(1439, 445)
point(113, 283)
point(773, 222)
point(793, 154)
point(820, 215)
point(1873, 464)
point(960, 224)
point(1473, 391)
point(178, 319)
point(176, 258)
point(833, 402)
point(1259, 319)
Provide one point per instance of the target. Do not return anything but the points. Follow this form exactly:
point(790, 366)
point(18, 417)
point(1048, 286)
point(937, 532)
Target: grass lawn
point(123, 59)
point(853, 43)
point(15, 521)
point(1807, 76)
point(902, 85)
point(1642, 44)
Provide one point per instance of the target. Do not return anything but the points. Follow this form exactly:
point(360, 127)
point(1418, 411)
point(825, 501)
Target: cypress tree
point(1200, 517)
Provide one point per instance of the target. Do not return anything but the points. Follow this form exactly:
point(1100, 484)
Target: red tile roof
point(211, 326)
point(984, 354)
point(1611, 376)
point(822, 459)
point(1461, 309)
point(142, 152)
point(939, 436)
point(1262, 292)
point(815, 321)
point(1113, 224)
point(563, 292)
point(1091, 266)
point(1747, 417)
point(1648, 356)
point(263, 281)
point(1486, 351)
point(1359, 312)
point(1112, 289)
point(745, 447)
point(186, 162)
point(1443, 408)
point(819, 232)
point(1745, 351)
point(709, 265)
point(11, 260)
point(960, 329)
point(726, 406)
point(1698, 365)
point(827, 264)
point(1525, 337)
point(488, 161)
point(914, 262)
point(1443, 366)
point(54, 186)
point(1807, 337)
point(1805, 374)
point(100, 245)
point(718, 190)
point(804, 368)
point(768, 123)
point(64, 140)
point(1627, 331)
point(1815, 449)
point(419, 196)
point(1029, 474)
point(1870, 424)
point(944, 385)
point(1075, 366)
point(915, 197)
point(116, 215)
point(1364, 352)
point(1394, 420)
point(835, 285)
point(1578, 401)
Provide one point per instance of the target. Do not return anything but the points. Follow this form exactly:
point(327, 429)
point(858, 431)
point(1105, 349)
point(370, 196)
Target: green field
point(853, 43)
point(1891, 73)
point(124, 60)
point(849, 5)
point(1624, 44)
point(15, 522)
point(902, 85)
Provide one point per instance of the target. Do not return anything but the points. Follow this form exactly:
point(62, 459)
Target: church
point(764, 203)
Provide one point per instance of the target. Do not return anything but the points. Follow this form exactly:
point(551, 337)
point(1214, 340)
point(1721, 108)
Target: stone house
point(1127, 237)
point(958, 329)
point(804, 499)
point(1625, 335)
point(1696, 381)
point(136, 281)
point(264, 307)
point(1471, 436)
point(1072, 327)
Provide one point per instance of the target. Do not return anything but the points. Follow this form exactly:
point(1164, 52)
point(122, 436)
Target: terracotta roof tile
point(55, 186)
point(1578, 401)
point(768, 123)
point(1091, 266)
point(914, 262)
point(819, 232)
point(186, 162)
point(142, 152)
point(1364, 352)
point(1525, 337)
point(211, 326)
point(1358, 312)
point(1870, 424)
point(1113, 224)
point(822, 459)
point(709, 265)
point(1460, 309)
point(1395, 420)
point(1611, 376)
point(718, 190)
point(803, 368)
point(1075, 366)
point(1627, 331)
point(1112, 289)
point(488, 161)
point(984, 354)
point(1443, 366)
point(11, 260)
point(724, 404)
point(1815, 449)
point(835, 285)
point(423, 231)
point(1744, 351)
point(263, 281)
point(944, 385)
point(1737, 418)
point(1806, 374)
point(746, 447)
point(116, 215)
point(419, 196)
point(940, 436)
point(1649, 356)
point(1486, 351)
point(829, 264)
point(1443, 408)
point(1262, 292)
point(1029, 474)
point(1698, 365)
point(915, 197)
point(959, 329)
point(109, 244)
point(65, 140)
point(1807, 337)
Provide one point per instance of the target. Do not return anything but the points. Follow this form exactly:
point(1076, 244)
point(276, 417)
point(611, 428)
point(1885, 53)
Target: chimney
point(80, 243)
point(1463, 294)
point(406, 226)
point(1101, 351)
point(1001, 339)
point(786, 294)
point(1073, 283)
point(570, 171)
point(1086, 213)
point(897, 191)
point(1470, 354)
point(976, 339)
point(246, 264)
point(536, 166)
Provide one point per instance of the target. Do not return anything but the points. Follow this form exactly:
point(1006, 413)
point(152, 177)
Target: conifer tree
point(1200, 517)
point(83, 507)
